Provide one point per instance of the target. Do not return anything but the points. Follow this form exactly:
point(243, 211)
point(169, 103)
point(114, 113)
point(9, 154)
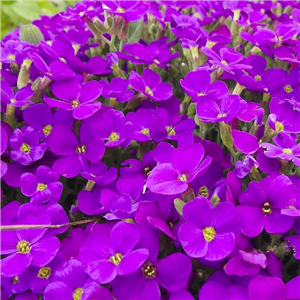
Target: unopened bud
point(178, 203)
point(31, 34)
point(99, 26)
point(109, 21)
point(152, 29)
point(225, 132)
point(23, 77)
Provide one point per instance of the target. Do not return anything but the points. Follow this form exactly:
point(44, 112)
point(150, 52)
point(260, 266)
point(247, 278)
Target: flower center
point(23, 247)
point(200, 94)
point(267, 208)
point(170, 130)
point(75, 103)
point(41, 186)
point(224, 62)
point(62, 59)
point(203, 191)
point(279, 126)
point(81, 149)
point(156, 61)
point(183, 177)
point(145, 131)
point(147, 171)
point(120, 9)
point(209, 234)
point(47, 130)
point(16, 279)
point(288, 89)
point(13, 100)
point(148, 91)
point(257, 77)
point(149, 270)
point(114, 137)
point(25, 148)
point(44, 272)
point(287, 151)
point(11, 56)
point(77, 294)
point(221, 115)
point(116, 259)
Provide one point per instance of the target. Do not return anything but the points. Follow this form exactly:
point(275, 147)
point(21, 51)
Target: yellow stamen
point(183, 177)
point(145, 131)
point(116, 259)
point(75, 103)
point(267, 208)
point(25, 148)
point(41, 186)
point(288, 89)
point(209, 233)
point(23, 247)
point(149, 270)
point(47, 130)
point(287, 151)
point(44, 272)
point(77, 294)
point(114, 137)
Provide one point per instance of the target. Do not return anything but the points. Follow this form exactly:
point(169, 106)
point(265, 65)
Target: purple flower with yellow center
point(116, 90)
point(11, 51)
point(106, 257)
point(283, 85)
point(42, 187)
point(154, 273)
point(208, 232)
point(197, 85)
point(71, 282)
point(151, 85)
point(41, 118)
point(224, 110)
point(226, 59)
point(111, 127)
point(26, 146)
point(174, 177)
point(18, 99)
point(283, 116)
point(261, 204)
point(76, 153)
point(27, 246)
point(3, 146)
point(285, 148)
point(76, 97)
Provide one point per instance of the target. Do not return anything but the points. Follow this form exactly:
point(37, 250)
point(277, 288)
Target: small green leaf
point(135, 31)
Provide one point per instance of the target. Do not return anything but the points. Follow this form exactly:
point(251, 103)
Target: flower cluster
point(150, 150)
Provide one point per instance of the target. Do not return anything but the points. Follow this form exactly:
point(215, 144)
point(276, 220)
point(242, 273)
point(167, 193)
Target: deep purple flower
point(292, 288)
point(3, 146)
point(106, 257)
point(285, 148)
point(18, 99)
point(26, 146)
point(11, 51)
point(76, 97)
point(245, 142)
point(76, 154)
point(71, 282)
point(151, 85)
point(171, 273)
point(197, 85)
point(43, 187)
point(28, 246)
point(41, 118)
point(261, 204)
point(116, 89)
point(173, 178)
point(208, 232)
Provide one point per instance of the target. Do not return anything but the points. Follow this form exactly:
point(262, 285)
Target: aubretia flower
point(185, 166)
point(261, 204)
point(285, 148)
point(18, 99)
point(3, 146)
point(208, 232)
point(71, 283)
point(44, 187)
point(76, 97)
point(106, 257)
point(26, 146)
point(151, 85)
point(197, 85)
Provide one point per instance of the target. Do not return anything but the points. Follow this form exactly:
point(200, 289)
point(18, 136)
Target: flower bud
point(99, 26)
point(226, 136)
point(31, 34)
point(152, 29)
point(23, 77)
point(178, 203)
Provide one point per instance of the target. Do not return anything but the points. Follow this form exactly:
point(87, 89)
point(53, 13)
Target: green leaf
point(135, 31)
point(28, 11)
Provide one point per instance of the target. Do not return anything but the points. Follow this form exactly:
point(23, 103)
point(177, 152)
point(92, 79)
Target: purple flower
point(245, 142)
point(71, 282)
point(208, 232)
point(226, 59)
point(174, 177)
point(76, 97)
point(285, 148)
point(76, 154)
point(292, 288)
point(18, 99)
point(26, 146)
point(172, 272)
point(41, 118)
point(11, 51)
point(197, 85)
point(28, 246)
point(151, 85)
point(116, 89)
point(224, 110)
point(106, 257)
point(261, 204)
point(4, 143)
point(44, 187)
point(243, 168)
